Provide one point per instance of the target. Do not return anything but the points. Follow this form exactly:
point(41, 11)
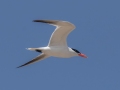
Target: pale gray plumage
point(57, 45)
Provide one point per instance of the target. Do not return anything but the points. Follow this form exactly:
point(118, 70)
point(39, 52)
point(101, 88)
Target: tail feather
point(33, 49)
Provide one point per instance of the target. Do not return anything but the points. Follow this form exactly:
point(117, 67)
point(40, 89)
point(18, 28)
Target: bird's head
point(79, 53)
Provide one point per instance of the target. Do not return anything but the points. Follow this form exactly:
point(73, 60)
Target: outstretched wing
point(38, 58)
point(58, 37)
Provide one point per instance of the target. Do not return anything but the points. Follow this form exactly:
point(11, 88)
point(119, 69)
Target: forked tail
point(34, 49)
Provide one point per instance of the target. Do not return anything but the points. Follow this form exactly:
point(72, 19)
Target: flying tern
point(57, 46)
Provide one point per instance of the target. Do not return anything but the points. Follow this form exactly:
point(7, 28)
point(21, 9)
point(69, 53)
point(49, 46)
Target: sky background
point(97, 35)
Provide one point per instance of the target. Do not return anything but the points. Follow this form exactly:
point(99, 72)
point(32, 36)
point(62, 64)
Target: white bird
point(57, 45)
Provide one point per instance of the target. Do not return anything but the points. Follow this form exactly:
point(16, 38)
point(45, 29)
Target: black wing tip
point(20, 66)
point(43, 21)
point(17, 67)
point(46, 21)
point(36, 20)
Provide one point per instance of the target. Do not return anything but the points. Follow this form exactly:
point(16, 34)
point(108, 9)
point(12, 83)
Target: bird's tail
point(32, 49)
point(35, 49)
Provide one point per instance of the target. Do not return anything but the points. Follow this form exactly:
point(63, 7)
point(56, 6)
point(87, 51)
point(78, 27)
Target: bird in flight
point(57, 45)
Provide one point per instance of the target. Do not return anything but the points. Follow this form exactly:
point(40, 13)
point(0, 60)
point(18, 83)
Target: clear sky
point(97, 34)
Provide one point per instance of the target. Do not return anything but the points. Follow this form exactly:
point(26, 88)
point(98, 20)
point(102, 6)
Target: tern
point(57, 46)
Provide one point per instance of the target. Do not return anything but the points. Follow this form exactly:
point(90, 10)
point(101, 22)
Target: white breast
point(59, 51)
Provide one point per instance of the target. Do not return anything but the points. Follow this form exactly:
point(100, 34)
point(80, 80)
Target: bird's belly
point(59, 52)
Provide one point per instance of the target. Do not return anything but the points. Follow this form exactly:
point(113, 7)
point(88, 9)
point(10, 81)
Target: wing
point(63, 28)
point(38, 58)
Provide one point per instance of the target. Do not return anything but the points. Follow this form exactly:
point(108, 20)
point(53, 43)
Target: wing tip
point(36, 20)
point(46, 21)
point(20, 66)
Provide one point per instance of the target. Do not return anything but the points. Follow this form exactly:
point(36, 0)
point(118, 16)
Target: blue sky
point(97, 34)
